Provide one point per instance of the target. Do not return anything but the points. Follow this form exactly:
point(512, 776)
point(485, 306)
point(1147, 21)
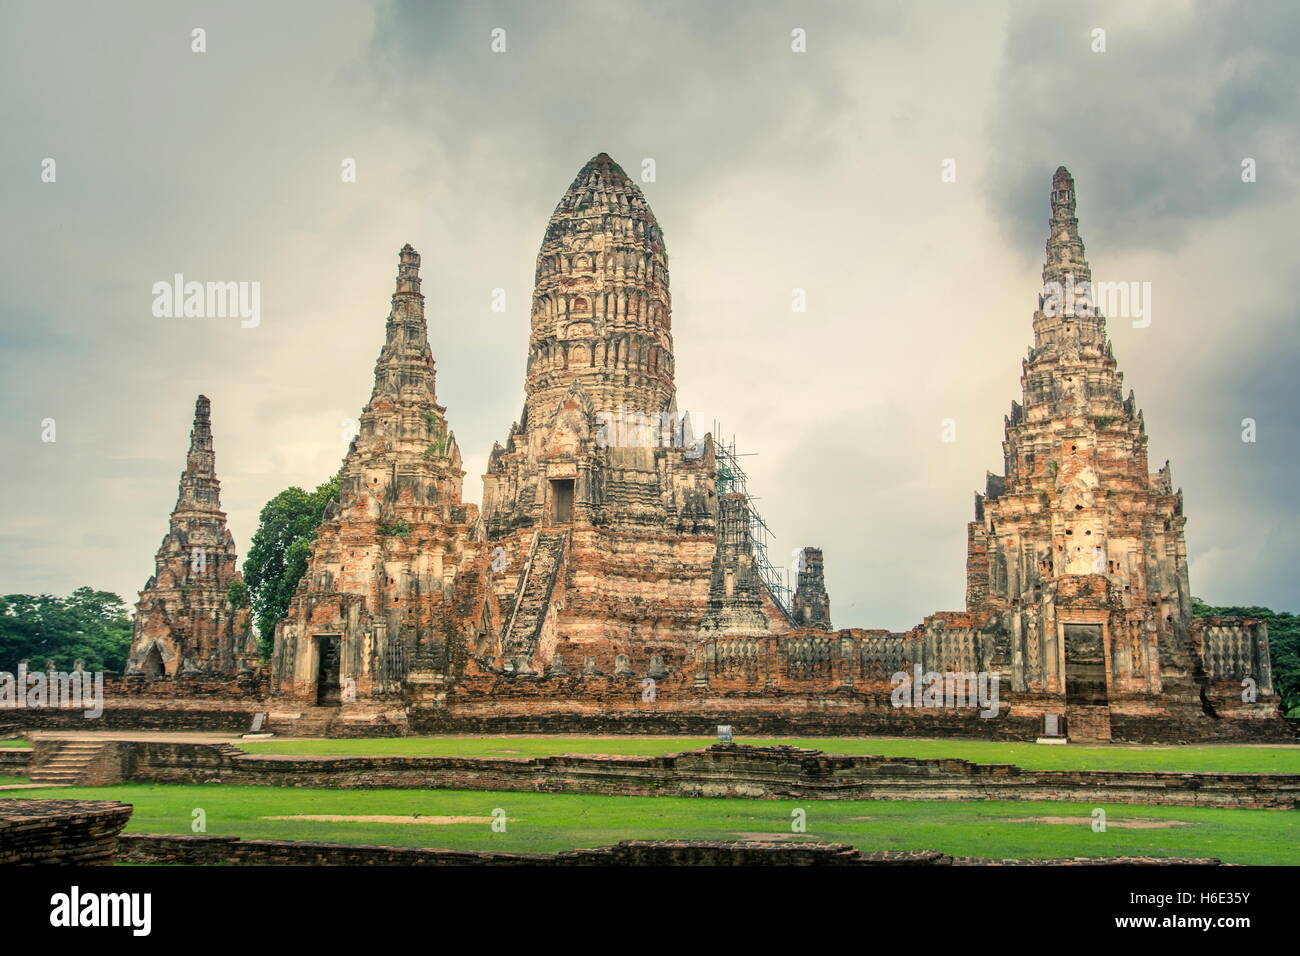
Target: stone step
point(67, 764)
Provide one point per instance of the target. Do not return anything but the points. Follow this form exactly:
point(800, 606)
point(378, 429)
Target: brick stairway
point(67, 765)
point(545, 559)
point(311, 722)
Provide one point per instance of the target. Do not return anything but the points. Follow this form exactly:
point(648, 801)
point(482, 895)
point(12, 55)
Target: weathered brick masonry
point(73, 832)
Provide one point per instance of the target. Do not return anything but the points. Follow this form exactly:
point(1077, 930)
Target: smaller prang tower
point(811, 605)
point(185, 620)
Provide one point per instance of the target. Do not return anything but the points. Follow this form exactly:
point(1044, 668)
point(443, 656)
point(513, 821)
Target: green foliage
point(278, 556)
point(92, 625)
point(1283, 646)
point(237, 594)
point(395, 529)
point(437, 434)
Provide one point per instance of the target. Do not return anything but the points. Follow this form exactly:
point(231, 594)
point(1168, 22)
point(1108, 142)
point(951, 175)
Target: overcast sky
point(776, 170)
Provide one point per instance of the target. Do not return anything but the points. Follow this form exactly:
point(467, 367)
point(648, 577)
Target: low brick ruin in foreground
point(221, 850)
point(72, 832)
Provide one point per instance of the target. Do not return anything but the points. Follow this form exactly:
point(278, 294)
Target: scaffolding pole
point(732, 479)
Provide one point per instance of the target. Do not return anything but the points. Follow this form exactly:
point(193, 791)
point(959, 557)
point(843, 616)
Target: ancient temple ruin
point(185, 619)
point(617, 578)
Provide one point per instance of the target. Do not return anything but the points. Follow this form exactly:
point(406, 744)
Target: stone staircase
point(1087, 724)
point(310, 722)
point(533, 596)
point(67, 765)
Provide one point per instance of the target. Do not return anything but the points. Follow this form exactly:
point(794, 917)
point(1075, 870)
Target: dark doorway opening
point(152, 666)
point(328, 692)
point(561, 500)
point(1085, 665)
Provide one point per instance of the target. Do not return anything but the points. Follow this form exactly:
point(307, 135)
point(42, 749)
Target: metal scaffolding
point(732, 478)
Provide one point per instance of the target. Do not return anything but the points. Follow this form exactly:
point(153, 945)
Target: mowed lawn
point(7, 781)
point(550, 822)
point(1232, 759)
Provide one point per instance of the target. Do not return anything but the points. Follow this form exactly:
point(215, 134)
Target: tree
point(88, 624)
point(278, 556)
point(1283, 646)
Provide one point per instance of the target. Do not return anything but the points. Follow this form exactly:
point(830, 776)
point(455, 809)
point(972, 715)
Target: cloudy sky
point(776, 170)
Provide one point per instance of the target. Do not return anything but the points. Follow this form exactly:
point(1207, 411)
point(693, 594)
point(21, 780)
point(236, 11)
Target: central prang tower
point(602, 505)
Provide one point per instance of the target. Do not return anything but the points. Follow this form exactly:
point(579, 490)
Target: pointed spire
point(1065, 255)
point(199, 488)
point(201, 455)
point(406, 362)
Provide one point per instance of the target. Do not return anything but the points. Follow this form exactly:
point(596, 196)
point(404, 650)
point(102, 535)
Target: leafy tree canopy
point(278, 556)
point(88, 624)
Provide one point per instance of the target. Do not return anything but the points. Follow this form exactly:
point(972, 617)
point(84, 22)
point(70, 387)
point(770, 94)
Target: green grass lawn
point(15, 743)
point(6, 781)
point(1031, 756)
point(549, 822)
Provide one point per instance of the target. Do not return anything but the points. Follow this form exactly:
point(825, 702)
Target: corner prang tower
point(185, 621)
point(1078, 547)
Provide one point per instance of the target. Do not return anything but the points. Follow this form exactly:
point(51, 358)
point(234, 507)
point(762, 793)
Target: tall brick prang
point(375, 604)
point(603, 502)
point(1078, 548)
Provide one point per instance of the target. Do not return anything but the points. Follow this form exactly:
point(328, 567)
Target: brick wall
point(211, 850)
point(720, 771)
point(13, 761)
